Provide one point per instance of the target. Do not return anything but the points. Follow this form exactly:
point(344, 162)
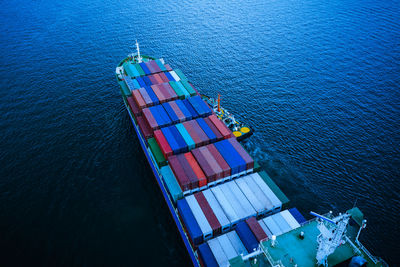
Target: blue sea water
point(318, 80)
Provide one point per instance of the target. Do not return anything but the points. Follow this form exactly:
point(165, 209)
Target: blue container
point(141, 82)
point(173, 186)
point(190, 222)
point(183, 147)
point(186, 136)
point(184, 110)
point(136, 84)
point(171, 140)
point(147, 80)
point(164, 115)
point(152, 95)
point(207, 130)
point(246, 236)
point(170, 113)
point(159, 63)
point(145, 68)
point(193, 101)
point(129, 83)
point(190, 108)
point(157, 116)
point(169, 76)
point(232, 151)
point(231, 156)
point(297, 215)
point(207, 256)
point(201, 107)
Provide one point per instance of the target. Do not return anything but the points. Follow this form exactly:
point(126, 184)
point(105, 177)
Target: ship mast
point(139, 58)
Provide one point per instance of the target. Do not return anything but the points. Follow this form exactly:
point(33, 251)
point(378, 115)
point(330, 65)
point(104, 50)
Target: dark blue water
point(318, 80)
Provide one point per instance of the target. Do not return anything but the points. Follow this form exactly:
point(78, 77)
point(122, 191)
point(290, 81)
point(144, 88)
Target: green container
point(186, 136)
point(172, 185)
point(139, 69)
point(188, 87)
point(271, 184)
point(257, 166)
point(159, 63)
point(156, 151)
point(125, 89)
point(179, 84)
point(178, 90)
point(180, 74)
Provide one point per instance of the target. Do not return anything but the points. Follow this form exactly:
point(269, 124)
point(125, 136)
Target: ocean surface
point(318, 80)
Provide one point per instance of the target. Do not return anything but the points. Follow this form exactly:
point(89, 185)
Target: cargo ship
point(227, 210)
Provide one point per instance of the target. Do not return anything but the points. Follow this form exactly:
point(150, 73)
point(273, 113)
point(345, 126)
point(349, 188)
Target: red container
point(177, 111)
point(200, 133)
point(164, 91)
point(194, 182)
point(155, 66)
point(158, 93)
point(192, 133)
point(180, 175)
point(144, 128)
point(214, 165)
point(151, 122)
point(243, 153)
point(163, 77)
point(150, 67)
point(138, 99)
point(134, 108)
point(208, 212)
point(226, 170)
point(146, 97)
point(153, 79)
point(201, 177)
point(214, 129)
point(205, 166)
point(171, 91)
point(168, 67)
point(158, 78)
point(163, 143)
point(256, 229)
point(226, 133)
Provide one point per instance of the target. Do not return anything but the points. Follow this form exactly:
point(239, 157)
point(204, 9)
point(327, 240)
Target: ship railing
point(364, 249)
point(271, 261)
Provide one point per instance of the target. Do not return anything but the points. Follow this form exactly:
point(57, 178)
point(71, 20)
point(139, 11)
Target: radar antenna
point(139, 58)
point(331, 236)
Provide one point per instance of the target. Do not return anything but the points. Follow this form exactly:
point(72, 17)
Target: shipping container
point(226, 170)
point(264, 200)
point(152, 95)
point(297, 215)
point(179, 173)
point(186, 136)
point(212, 163)
point(222, 128)
point(205, 166)
point(158, 93)
point(144, 128)
point(214, 129)
point(226, 205)
point(179, 84)
point(200, 133)
point(179, 139)
point(281, 222)
point(150, 120)
point(272, 226)
point(170, 181)
point(235, 162)
point(190, 108)
point(169, 76)
point(170, 140)
point(141, 81)
point(217, 209)
point(150, 67)
point(271, 184)
point(218, 252)
point(276, 203)
point(193, 229)
point(156, 151)
point(237, 243)
point(136, 84)
point(165, 92)
point(236, 205)
point(163, 77)
point(155, 67)
point(201, 177)
point(200, 217)
point(178, 91)
point(153, 79)
point(160, 65)
point(185, 111)
point(265, 228)
point(144, 68)
point(168, 67)
point(247, 237)
point(129, 83)
point(163, 144)
point(139, 69)
point(180, 74)
point(147, 99)
point(251, 197)
point(138, 99)
point(188, 87)
point(206, 256)
point(133, 106)
point(194, 183)
point(171, 113)
point(256, 229)
point(178, 112)
point(175, 76)
point(158, 78)
point(159, 121)
point(125, 90)
point(243, 201)
point(162, 113)
point(227, 247)
point(171, 91)
point(200, 106)
point(147, 80)
point(243, 153)
point(131, 71)
point(193, 134)
point(208, 212)
point(290, 219)
point(206, 129)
